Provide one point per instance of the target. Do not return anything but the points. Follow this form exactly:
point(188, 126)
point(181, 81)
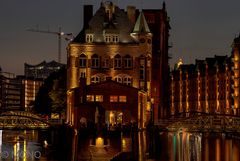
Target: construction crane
point(59, 33)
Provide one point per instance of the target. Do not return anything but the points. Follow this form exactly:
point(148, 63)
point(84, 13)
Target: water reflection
point(21, 145)
point(185, 146)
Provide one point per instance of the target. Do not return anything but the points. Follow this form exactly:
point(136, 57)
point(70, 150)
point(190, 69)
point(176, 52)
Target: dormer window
point(89, 38)
point(115, 38)
point(107, 38)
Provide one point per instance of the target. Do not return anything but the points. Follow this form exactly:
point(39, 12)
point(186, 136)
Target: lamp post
point(152, 110)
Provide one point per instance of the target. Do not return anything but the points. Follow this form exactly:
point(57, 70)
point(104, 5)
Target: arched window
point(127, 61)
point(95, 61)
point(127, 80)
point(82, 61)
point(117, 61)
point(118, 79)
point(89, 38)
point(95, 79)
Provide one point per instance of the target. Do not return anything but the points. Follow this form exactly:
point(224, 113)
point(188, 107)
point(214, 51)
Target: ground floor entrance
point(113, 118)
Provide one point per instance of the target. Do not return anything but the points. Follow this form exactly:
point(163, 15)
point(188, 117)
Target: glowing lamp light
point(99, 142)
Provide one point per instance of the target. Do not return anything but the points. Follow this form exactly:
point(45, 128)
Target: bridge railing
point(216, 123)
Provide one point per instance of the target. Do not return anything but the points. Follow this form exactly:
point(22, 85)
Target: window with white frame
point(108, 38)
point(115, 38)
point(118, 79)
point(117, 61)
point(95, 79)
point(89, 38)
point(95, 61)
point(127, 61)
point(82, 61)
point(127, 80)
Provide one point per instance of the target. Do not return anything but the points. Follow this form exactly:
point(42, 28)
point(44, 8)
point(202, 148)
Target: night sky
point(200, 28)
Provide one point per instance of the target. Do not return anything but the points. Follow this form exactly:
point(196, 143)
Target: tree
point(51, 97)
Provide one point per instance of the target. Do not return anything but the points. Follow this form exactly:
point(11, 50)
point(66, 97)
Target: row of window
point(112, 98)
point(105, 62)
point(127, 80)
point(108, 38)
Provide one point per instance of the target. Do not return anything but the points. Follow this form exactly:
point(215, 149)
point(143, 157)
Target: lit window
point(99, 98)
point(82, 61)
point(127, 61)
point(90, 98)
point(113, 98)
point(117, 61)
point(95, 61)
point(89, 38)
point(122, 98)
point(95, 79)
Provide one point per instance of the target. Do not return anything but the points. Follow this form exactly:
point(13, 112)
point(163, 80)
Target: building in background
point(10, 92)
point(208, 86)
point(235, 67)
point(114, 44)
point(203, 87)
point(29, 90)
point(41, 70)
point(158, 22)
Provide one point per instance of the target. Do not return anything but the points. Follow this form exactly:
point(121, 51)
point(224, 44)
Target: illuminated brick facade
point(114, 44)
point(208, 86)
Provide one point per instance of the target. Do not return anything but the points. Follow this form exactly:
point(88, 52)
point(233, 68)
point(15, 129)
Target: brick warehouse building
point(113, 44)
point(208, 86)
point(116, 106)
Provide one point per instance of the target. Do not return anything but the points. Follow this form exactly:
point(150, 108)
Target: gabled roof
point(99, 25)
point(141, 25)
point(111, 83)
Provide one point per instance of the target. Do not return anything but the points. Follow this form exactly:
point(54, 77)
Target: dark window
point(127, 61)
point(95, 61)
point(117, 61)
point(82, 61)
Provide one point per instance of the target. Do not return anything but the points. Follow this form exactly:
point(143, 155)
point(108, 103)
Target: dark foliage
point(48, 96)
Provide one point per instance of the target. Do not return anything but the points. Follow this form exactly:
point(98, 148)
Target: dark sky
point(200, 28)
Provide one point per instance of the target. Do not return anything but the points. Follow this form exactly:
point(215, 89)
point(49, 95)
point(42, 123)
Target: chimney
point(87, 15)
point(131, 12)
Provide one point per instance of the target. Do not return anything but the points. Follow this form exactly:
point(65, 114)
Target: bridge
point(202, 123)
point(22, 120)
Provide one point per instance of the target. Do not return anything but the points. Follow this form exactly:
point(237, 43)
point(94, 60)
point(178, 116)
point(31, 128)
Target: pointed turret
point(141, 25)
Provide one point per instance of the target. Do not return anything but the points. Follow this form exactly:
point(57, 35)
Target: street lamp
point(152, 110)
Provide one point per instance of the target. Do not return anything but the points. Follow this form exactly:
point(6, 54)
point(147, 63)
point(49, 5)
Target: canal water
point(185, 146)
point(35, 145)
point(26, 145)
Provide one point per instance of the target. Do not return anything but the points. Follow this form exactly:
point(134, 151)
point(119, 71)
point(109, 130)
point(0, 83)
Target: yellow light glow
point(99, 142)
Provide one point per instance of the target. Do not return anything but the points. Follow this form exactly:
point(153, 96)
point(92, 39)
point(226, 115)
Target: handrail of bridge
point(211, 122)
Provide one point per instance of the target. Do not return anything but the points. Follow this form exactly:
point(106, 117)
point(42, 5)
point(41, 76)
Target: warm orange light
point(99, 142)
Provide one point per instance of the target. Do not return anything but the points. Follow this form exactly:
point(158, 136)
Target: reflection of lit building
point(41, 70)
point(113, 44)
